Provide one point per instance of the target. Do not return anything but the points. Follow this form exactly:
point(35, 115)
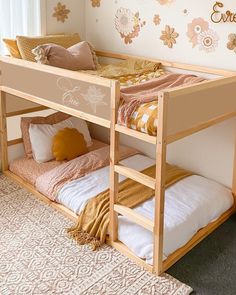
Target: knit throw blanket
point(134, 96)
point(93, 222)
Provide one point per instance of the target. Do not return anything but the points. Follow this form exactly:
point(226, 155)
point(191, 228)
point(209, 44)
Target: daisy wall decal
point(128, 24)
point(61, 13)
point(201, 36)
point(96, 3)
point(169, 36)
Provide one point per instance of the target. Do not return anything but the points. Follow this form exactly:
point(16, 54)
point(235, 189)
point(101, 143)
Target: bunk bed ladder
point(158, 184)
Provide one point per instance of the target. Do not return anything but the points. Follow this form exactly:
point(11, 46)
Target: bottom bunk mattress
point(190, 205)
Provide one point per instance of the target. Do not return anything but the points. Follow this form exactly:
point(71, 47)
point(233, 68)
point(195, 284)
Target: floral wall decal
point(156, 19)
point(61, 13)
point(231, 45)
point(208, 40)
point(165, 2)
point(197, 26)
point(96, 3)
point(201, 35)
point(169, 36)
point(128, 24)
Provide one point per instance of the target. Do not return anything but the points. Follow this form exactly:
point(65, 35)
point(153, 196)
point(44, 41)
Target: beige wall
point(209, 152)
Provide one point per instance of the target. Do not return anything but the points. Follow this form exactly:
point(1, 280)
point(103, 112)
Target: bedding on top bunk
point(141, 81)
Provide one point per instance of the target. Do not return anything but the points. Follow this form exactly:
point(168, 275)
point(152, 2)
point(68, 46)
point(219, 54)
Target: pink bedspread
point(30, 170)
point(134, 96)
point(51, 182)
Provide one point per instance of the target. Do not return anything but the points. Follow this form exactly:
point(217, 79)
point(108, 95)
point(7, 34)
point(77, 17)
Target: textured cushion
point(25, 124)
point(77, 57)
point(41, 137)
point(12, 47)
point(68, 144)
point(27, 44)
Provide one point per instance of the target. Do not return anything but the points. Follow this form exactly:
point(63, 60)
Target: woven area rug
point(37, 257)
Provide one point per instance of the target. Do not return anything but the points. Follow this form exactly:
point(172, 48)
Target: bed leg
point(160, 185)
point(3, 132)
point(114, 159)
point(234, 175)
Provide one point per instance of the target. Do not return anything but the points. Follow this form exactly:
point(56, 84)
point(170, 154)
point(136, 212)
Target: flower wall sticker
point(169, 36)
point(201, 35)
point(128, 24)
point(61, 13)
point(72, 96)
point(165, 2)
point(156, 19)
point(231, 45)
point(208, 41)
point(96, 3)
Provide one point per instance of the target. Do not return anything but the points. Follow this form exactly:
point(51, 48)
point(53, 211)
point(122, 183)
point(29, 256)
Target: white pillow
point(41, 137)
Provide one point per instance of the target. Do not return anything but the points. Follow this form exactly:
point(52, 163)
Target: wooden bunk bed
point(182, 112)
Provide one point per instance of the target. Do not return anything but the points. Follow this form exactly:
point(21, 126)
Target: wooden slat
point(165, 63)
point(114, 159)
point(26, 111)
point(3, 132)
point(135, 217)
point(83, 77)
point(136, 134)
point(136, 176)
point(56, 106)
point(160, 185)
point(128, 253)
point(14, 141)
point(197, 238)
point(234, 175)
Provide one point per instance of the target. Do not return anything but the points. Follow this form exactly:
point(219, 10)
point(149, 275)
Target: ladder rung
point(135, 217)
point(136, 176)
point(137, 134)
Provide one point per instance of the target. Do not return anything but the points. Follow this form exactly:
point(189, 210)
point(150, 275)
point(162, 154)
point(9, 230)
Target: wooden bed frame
point(182, 112)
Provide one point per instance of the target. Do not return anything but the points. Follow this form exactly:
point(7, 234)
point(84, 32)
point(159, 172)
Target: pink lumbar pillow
point(80, 56)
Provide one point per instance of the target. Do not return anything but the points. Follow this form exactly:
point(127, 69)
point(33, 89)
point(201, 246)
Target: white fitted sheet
point(190, 204)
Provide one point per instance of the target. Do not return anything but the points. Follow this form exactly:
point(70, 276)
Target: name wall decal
point(218, 16)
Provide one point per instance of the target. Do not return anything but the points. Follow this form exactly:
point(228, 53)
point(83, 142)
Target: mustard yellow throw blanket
point(93, 222)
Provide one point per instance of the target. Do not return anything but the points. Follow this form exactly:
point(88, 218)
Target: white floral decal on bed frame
point(72, 96)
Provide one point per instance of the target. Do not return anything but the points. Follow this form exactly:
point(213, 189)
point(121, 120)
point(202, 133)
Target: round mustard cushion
point(68, 144)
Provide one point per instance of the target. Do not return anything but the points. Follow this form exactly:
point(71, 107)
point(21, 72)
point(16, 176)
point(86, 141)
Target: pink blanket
point(52, 181)
point(148, 91)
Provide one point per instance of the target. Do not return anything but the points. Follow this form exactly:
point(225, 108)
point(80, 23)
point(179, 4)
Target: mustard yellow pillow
point(68, 144)
point(12, 47)
point(27, 44)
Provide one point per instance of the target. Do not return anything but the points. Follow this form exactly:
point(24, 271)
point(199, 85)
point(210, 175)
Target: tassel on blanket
point(83, 238)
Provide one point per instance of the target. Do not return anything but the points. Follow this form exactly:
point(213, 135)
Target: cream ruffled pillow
point(80, 56)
